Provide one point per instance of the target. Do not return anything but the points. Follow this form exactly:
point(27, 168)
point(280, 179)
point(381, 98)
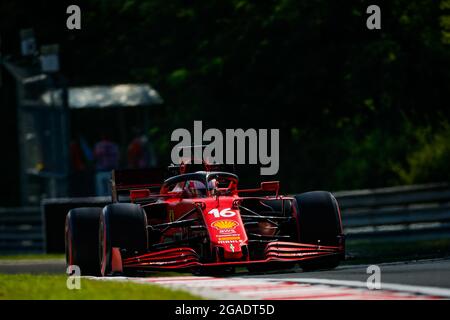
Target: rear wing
point(123, 181)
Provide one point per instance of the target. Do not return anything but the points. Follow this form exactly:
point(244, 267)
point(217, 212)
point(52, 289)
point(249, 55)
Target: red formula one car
point(202, 222)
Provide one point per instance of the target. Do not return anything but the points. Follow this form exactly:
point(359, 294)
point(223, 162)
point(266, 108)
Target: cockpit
point(201, 184)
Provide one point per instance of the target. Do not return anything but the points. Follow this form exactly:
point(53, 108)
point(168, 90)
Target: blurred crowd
point(106, 155)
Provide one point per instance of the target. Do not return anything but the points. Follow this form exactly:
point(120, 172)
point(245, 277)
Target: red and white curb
point(238, 288)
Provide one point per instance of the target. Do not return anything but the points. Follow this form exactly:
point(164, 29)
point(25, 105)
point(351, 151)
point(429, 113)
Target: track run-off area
point(414, 280)
point(421, 279)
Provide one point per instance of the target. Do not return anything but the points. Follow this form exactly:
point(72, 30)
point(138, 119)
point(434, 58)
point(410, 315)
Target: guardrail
point(21, 230)
point(416, 212)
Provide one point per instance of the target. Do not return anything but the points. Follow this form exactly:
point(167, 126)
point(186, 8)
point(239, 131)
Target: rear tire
point(81, 239)
point(318, 222)
point(123, 226)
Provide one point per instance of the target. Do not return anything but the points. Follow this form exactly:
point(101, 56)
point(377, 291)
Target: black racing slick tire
point(319, 222)
point(81, 239)
point(122, 226)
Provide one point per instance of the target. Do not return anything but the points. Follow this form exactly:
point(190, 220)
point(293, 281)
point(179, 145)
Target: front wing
point(185, 257)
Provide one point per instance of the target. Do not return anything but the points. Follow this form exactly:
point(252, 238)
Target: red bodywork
point(212, 230)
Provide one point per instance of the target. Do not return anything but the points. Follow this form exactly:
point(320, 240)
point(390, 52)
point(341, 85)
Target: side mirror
point(270, 186)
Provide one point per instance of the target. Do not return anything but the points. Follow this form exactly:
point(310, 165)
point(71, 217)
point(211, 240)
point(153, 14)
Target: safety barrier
point(415, 212)
point(21, 230)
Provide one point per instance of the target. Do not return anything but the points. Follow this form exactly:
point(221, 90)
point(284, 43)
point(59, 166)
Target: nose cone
point(228, 235)
point(226, 229)
point(232, 251)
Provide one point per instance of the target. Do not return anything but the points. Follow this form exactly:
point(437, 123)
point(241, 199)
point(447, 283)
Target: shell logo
point(224, 224)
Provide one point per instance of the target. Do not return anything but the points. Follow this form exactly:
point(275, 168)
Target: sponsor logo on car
point(225, 225)
point(228, 241)
point(229, 238)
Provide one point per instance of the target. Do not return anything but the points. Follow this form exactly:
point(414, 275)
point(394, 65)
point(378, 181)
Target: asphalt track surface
point(34, 266)
point(422, 279)
point(433, 273)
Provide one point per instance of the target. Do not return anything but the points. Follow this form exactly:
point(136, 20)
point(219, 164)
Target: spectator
point(76, 156)
point(106, 155)
point(137, 153)
point(140, 152)
point(81, 156)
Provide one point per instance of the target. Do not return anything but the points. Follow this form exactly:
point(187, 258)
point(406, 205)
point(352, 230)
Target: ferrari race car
point(202, 222)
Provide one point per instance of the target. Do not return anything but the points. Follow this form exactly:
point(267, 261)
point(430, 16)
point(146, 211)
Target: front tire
point(122, 226)
point(319, 222)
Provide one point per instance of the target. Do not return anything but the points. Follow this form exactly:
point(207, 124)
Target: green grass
point(34, 256)
point(53, 287)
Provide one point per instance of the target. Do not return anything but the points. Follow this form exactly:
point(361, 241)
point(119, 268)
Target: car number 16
point(225, 213)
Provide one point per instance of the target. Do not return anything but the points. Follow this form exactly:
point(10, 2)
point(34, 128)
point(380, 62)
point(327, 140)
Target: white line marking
point(285, 288)
point(432, 291)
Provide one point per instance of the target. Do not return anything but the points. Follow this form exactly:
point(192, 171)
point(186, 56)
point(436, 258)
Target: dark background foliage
point(356, 108)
